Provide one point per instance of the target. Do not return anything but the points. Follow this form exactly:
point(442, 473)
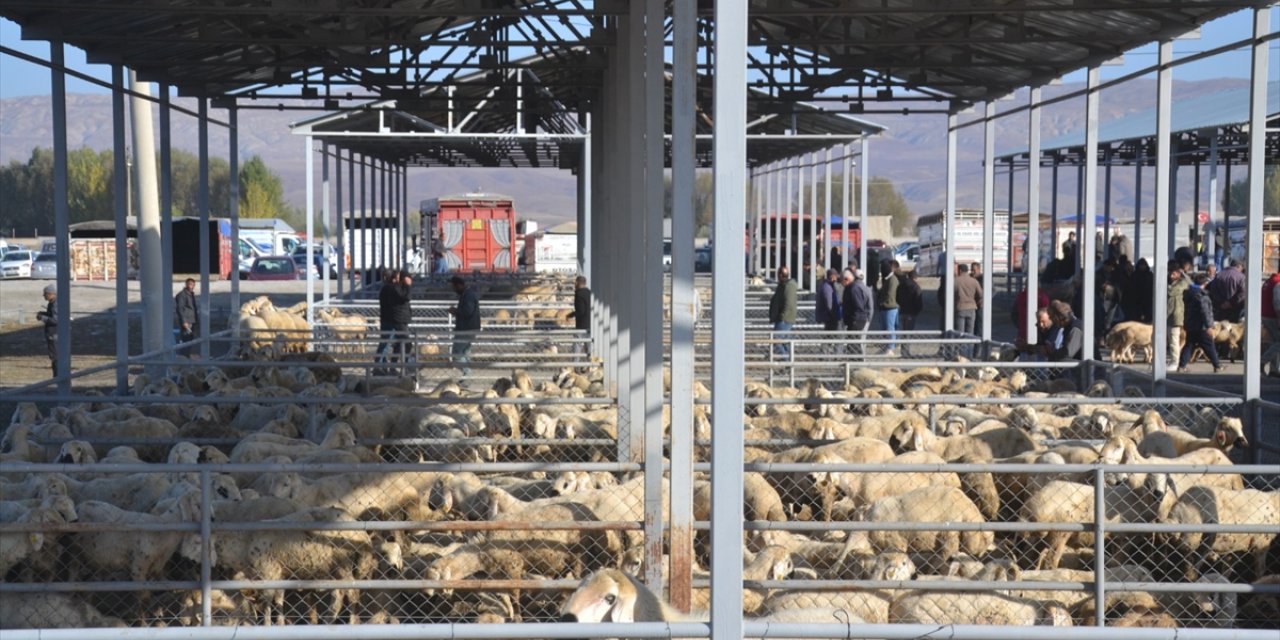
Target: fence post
point(1099, 548)
point(206, 548)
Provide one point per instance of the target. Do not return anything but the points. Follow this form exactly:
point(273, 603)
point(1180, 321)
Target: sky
point(20, 78)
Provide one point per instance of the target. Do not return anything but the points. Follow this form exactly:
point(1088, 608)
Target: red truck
point(476, 232)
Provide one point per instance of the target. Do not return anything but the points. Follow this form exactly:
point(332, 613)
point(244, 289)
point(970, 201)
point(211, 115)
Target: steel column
point(1008, 248)
point(1137, 210)
point(813, 224)
point(1254, 268)
point(825, 262)
point(1173, 195)
point(365, 245)
point(864, 200)
point(1033, 212)
point(339, 220)
point(1053, 210)
point(1106, 205)
point(202, 203)
point(310, 207)
point(325, 212)
point(121, 206)
point(1089, 211)
point(729, 151)
point(651, 290)
point(585, 211)
point(233, 206)
point(1210, 240)
point(61, 216)
point(165, 239)
point(788, 230)
point(1163, 213)
point(846, 197)
point(988, 214)
point(776, 227)
point(629, 444)
point(947, 269)
point(683, 173)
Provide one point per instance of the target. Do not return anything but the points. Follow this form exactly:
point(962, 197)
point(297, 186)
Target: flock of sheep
point(344, 528)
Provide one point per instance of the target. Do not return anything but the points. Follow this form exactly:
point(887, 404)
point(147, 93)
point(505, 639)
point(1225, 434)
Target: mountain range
point(911, 152)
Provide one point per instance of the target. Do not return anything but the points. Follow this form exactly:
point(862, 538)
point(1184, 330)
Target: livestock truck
point(476, 232)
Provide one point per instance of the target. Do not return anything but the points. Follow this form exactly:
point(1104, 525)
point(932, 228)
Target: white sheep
point(16, 546)
point(1171, 443)
point(1215, 505)
point(939, 504)
point(955, 607)
point(51, 611)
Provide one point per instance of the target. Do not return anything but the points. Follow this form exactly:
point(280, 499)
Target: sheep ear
point(918, 440)
point(624, 608)
point(36, 540)
point(1221, 437)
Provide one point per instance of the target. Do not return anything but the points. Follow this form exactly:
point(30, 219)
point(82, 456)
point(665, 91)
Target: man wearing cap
point(50, 319)
point(466, 321)
point(395, 312)
point(186, 313)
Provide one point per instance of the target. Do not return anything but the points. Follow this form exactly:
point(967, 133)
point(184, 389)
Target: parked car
point(275, 268)
point(248, 253)
point(907, 253)
point(317, 257)
point(45, 266)
point(17, 264)
point(702, 259)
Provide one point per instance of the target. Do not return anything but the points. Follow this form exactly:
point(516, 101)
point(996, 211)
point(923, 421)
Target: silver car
point(17, 264)
point(45, 267)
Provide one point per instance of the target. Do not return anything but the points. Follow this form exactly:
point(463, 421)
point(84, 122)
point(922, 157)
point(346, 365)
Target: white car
point(17, 264)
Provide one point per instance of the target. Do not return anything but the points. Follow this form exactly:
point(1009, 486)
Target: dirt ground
point(24, 358)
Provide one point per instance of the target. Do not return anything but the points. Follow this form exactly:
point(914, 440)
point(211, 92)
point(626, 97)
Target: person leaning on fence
point(581, 313)
point(1068, 342)
point(466, 322)
point(1271, 323)
point(49, 317)
point(395, 312)
point(1199, 324)
point(782, 310)
point(856, 306)
point(186, 312)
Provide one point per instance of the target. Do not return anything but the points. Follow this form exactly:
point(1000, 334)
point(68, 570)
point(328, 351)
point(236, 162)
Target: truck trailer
point(476, 232)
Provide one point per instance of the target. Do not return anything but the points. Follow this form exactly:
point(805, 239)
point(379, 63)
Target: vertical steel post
point(1173, 193)
point(166, 217)
point(325, 212)
point(233, 206)
point(1106, 203)
point(1254, 269)
point(365, 243)
point(121, 206)
point(651, 290)
point(814, 263)
point(629, 401)
point(1033, 212)
point(1008, 248)
point(988, 214)
point(1210, 241)
point(846, 196)
point(155, 222)
point(825, 262)
point(202, 203)
point(947, 269)
point(310, 207)
point(1163, 214)
point(864, 201)
point(782, 209)
point(1099, 545)
point(683, 172)
point(1088, 243)
point(1137, 208)
point(729, 152)
point(788, 228)
point(206, 548)
point(1053, 209)
point(61, 214)
point(585, 211)
point(340, 223)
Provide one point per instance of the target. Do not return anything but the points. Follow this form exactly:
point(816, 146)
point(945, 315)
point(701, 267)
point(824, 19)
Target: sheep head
point(1229, 434)
point(76, 452)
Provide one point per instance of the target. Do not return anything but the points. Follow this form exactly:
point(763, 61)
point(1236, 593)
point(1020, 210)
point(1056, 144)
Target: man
point(441, 263)
point(887, 303)
point(975, 270)
point(827, 310)
point(1178, 283)
point(1227, 291)
point(1020, 312)
point(968, 299)
point(394, 313)
point(910, 302)
point(782, 310)
point(1068, 344)
point(1069, 248)
point(1199, 324)
point(1047, 335)
point(581, 313)
point(1271, 323)
point(466, 321)
point(1136, 297)
point(50, 319)
point(186, 312)
point(856, 304)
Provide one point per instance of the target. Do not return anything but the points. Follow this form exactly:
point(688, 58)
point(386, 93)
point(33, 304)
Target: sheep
point(34, 486)
point(761, 500)
point(999, 443)
point(1215, 505)
point(18, 445)
point(1124, 337)
point(953, 607)
point(1172, 443)
point(135, 428)
point(1124, 451)
point(139, 555)
point(867, 487)
point(51, 611)
point(132, 492)
point(352, 492)
point(928, 504)
point(15, 547)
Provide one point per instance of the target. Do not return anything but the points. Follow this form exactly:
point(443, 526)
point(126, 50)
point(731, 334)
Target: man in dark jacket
point(1227, 291)
point(1198, 321)
point(49, 317)
point(856, 305)
point(466, 322)
point(581, 313)
point(910, 302)
point(1068, 343)
point(395, 312)
point(887, 303)
point(827, 310)
point(186, 312)
point(782, 310)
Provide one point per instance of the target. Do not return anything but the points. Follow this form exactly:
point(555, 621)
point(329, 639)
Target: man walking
point(50, 319)
point(186, 313)
point(1178, 283)
point(856, 305)
point(466, 322)
point(1198, 322)
point(581, 313)
point(782, 310)
point(888, 305)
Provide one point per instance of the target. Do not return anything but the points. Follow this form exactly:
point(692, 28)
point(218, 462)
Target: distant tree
point(1236, 197)
point(90, 185)
point(883, 199)
point(26, 194)
point(184, 168)
point(261, 191)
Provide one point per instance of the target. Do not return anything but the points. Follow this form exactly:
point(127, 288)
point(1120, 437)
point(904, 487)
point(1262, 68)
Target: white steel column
point(988, 214)
point(585, 211)
point(826, 213)
point(683, 174)
point(1033, 212)
point(202, 203)
point(340, 225)
point(631, 187)
point(1210, 240)
point(846, 198)
point(1254, 269)
point(309, 163)
point(777, 199)
point(1160, 303)
point(325, 212)
point(864, 203)
point(651, 215)
point(788, 239)
point(812, 219)
point(233, 206)
point(61, 215)
point(1089, 243)
point(947, 268)
point(729, 152)
point(147, 249)
point(121, 206)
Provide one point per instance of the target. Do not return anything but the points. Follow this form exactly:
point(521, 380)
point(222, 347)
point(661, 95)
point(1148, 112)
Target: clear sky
point(20, 78)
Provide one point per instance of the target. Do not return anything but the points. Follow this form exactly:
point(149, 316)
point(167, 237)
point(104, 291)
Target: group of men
point(846, 299)
point(395, 313)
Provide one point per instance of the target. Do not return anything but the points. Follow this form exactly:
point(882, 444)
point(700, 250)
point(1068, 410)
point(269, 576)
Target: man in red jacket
point(1271, 323)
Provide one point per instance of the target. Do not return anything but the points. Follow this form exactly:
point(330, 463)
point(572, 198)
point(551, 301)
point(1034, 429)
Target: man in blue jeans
point(782, 310)
point(888, 304)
